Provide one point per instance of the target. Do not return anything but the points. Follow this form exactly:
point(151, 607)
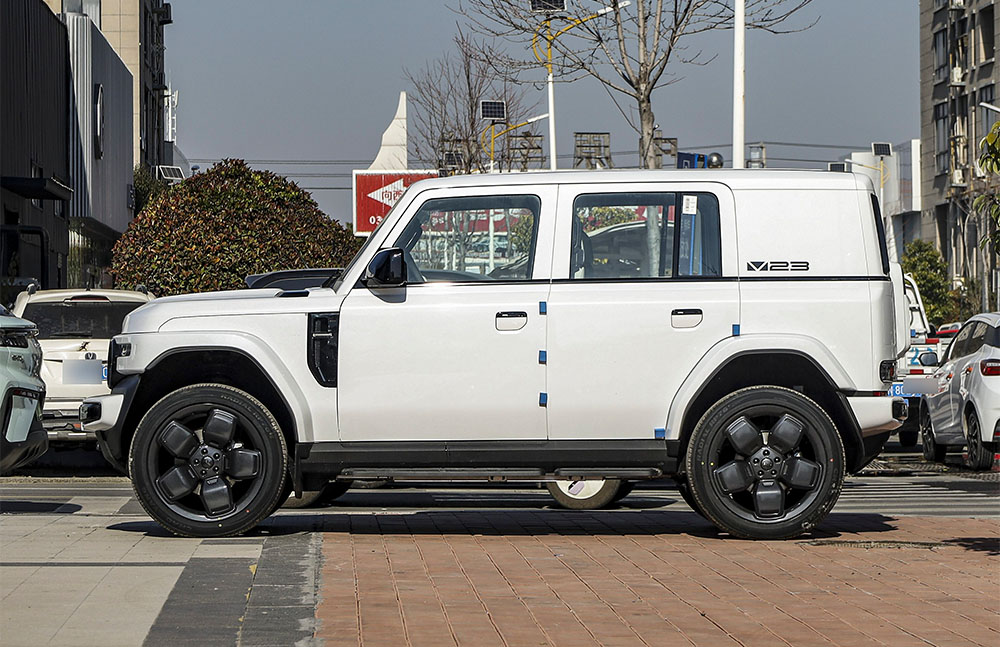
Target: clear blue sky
point(319, 79)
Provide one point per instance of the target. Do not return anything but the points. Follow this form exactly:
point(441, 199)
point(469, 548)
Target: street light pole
point(549, 39)
point(739, 77)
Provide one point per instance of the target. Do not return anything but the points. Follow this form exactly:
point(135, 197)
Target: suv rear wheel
point(208, 460)
point(765, 462)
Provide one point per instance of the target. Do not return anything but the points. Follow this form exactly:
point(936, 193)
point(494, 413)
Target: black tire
point(908, 438)
point(208, 460)
point(931, 451)
point(980, 452)
point(592, 495)
point(318, 498)
point(773, 488)
point(685, 491)
point(624, 489)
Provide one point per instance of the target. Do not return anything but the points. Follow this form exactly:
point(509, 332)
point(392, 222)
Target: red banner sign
point(376, 191)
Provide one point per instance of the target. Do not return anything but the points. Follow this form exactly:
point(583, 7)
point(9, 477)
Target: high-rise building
point(134, 28)
point(959, 71)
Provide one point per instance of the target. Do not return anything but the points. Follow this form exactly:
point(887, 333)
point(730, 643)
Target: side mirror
point(386, 270)
point(929, 358)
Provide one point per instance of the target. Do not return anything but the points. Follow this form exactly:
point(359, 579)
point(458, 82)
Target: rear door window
point(622, 236)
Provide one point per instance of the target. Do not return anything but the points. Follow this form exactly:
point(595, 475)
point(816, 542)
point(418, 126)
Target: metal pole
point(739, 68)
point(552, 115)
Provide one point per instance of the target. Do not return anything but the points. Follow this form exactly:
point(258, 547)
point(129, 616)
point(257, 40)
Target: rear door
point(643, 285)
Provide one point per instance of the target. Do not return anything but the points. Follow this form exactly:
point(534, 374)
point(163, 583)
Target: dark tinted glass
point(78, 319)
point(993, 336)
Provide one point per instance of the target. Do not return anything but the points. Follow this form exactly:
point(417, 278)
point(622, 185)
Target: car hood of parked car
point(153, 315)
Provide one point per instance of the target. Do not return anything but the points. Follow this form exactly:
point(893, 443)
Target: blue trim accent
point(542, 307)
point(541, 357)
point(659, 433)
point(736, 330)
point(543, 399)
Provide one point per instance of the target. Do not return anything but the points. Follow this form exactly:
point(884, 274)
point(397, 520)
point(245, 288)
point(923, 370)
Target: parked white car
point(965, 410)
point(75, 328)
point(743, 344)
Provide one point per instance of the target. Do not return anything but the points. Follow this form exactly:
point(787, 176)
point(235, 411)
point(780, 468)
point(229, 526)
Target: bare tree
point(629, 50)
point(446, 93)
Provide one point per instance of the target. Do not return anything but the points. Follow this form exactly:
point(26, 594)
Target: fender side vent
point(324, 329)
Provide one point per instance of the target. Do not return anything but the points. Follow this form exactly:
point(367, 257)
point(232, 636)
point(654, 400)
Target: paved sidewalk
point(655, 578)
point(81, 564)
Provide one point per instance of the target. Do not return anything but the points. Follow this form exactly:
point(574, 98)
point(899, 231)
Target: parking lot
point(910, 559)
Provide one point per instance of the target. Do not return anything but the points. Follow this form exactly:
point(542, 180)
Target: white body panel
point(802, 272)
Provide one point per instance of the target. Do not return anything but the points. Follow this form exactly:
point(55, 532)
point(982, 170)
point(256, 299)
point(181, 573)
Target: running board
point(497, 475)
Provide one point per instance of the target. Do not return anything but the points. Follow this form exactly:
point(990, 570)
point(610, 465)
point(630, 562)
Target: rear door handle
point(685, 317)
point(511, 320)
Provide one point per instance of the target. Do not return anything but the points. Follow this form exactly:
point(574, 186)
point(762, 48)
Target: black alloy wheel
point(208, 460)
point(765, 462)
point(930, 449)
point(980, 452)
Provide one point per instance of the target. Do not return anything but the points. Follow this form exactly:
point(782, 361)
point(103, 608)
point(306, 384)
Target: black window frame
point(621, 198)
point(513, 197)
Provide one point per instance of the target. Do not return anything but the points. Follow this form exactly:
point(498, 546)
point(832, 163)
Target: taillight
point(916, 371)
point(932, 340)
point(887, 370)
point(990, 367)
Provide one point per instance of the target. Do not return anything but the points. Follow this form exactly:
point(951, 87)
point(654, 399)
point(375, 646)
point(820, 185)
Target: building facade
point(34, 156)
point(100, 150)
point(958, 72)
point(134, 28)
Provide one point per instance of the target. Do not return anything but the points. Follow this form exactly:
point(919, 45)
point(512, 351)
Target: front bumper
point(105, 416)
point(15, 453)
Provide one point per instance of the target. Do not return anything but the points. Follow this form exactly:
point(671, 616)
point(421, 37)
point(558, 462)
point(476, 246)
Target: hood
point(150, 317)
point(12, 322)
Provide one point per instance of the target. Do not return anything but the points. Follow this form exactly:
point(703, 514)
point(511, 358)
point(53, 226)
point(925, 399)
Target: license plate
point(897, 391)
point(83, 371)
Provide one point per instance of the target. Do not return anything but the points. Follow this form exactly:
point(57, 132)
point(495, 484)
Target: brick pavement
point(525, 577)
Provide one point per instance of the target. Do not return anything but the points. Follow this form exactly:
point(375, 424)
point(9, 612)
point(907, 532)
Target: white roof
point(735, 178)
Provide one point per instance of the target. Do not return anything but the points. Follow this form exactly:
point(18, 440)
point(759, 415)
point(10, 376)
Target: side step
point(497, 475)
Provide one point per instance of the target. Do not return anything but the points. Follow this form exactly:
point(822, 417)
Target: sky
point(320, 80)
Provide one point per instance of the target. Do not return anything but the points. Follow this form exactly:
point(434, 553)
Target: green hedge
point(213, 229)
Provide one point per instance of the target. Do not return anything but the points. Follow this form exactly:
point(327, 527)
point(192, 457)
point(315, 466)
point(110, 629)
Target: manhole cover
point(868, 545)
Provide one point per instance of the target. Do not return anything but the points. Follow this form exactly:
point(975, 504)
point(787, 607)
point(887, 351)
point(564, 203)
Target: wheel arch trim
point(733, 348)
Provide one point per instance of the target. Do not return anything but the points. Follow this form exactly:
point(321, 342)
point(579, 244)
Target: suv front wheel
point(765, 462)
point(208, 460)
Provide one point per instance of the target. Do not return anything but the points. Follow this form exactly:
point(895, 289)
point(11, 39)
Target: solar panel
point(493, 110)
point(837, 166)
point(548, 6)
point(881, 149)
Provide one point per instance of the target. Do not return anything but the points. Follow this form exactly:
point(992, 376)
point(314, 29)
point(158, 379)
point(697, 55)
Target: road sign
point(692, 160)
point(376, 191)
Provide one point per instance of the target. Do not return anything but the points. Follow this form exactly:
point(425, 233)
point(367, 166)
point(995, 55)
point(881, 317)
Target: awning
point(37, 188)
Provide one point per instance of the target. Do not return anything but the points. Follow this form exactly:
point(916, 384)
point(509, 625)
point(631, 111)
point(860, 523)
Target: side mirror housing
point(386, 270)
point(929, 358)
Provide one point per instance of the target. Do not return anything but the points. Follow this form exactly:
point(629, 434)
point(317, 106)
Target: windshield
point(4, 312)
point(79, 319)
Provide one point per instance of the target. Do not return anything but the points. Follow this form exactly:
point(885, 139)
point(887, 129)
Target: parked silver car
point(965, 409)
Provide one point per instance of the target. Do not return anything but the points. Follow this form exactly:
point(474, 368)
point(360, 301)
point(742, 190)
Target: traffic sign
point(376, 191)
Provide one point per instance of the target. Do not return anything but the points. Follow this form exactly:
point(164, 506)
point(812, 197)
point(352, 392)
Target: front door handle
point(685, 317)
point(511, 320)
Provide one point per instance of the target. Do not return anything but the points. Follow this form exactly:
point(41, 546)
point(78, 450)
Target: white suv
point(74, 329)
point(743, 344)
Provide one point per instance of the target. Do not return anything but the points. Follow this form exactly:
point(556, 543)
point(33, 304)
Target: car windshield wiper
point(73, 333)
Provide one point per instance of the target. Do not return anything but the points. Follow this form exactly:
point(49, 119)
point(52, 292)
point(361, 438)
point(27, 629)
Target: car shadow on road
point(505, 522)
point(37, 507)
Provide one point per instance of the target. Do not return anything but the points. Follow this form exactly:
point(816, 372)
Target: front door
point(455, 353)
point(642, 288)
